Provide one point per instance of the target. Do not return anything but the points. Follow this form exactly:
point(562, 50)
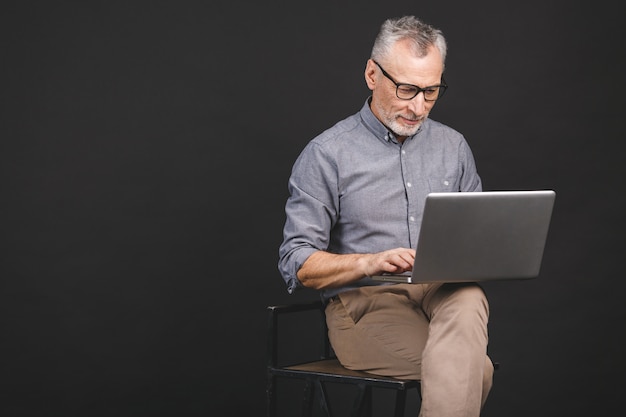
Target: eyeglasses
point(408, 91)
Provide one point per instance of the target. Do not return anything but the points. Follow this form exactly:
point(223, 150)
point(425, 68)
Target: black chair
point(325, 369)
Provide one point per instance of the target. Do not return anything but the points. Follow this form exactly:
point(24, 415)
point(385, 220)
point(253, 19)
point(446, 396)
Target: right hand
point(394, 261)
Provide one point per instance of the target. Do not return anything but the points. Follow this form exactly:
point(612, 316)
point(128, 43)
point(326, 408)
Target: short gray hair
point(408, 27)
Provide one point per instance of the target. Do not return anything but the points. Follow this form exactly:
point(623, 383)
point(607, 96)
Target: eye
point(407, 90)
point(431, 92)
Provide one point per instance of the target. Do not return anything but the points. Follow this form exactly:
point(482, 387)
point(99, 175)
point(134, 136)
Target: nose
point(417, 104)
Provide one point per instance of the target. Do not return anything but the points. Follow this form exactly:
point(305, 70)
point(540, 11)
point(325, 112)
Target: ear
point(370, 74)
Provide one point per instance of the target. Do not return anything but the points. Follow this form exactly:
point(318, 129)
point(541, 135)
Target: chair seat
point(332, 370)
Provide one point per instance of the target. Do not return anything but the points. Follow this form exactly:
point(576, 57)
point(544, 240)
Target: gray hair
point(408, 27)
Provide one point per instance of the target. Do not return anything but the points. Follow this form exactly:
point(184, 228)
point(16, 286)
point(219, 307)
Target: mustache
point(412, 117)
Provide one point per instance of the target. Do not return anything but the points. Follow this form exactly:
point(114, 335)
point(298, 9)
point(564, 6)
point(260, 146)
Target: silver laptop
point(489, 235)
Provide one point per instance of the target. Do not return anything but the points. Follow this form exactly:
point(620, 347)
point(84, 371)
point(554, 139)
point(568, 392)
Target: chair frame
point(324, 369)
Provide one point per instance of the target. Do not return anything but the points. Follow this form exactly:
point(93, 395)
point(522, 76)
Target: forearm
point(328, 270)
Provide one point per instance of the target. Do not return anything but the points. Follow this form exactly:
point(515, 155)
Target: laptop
point(480, 236)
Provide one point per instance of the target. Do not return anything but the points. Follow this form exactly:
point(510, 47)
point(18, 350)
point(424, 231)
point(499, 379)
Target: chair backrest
point(277, 311)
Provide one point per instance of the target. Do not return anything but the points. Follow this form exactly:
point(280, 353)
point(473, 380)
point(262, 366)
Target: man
point(357, 193)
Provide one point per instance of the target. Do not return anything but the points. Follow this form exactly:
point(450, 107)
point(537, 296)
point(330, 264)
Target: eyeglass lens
point(407, 92)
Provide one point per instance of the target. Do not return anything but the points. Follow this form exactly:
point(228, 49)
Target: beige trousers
point(432, 332)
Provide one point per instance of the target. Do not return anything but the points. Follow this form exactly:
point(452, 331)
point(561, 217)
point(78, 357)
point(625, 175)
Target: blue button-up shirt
point(356, 189)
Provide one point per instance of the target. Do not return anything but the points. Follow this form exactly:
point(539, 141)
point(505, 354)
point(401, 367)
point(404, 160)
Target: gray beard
point(398, 129)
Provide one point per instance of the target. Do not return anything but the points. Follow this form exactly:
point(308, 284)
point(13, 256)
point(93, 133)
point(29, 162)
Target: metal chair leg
point(400, 403)
point(270, 393)
point(324, 404)
point(363, 401)
point(307, 400)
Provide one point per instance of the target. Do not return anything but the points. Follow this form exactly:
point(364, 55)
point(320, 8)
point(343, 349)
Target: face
point(403, 117)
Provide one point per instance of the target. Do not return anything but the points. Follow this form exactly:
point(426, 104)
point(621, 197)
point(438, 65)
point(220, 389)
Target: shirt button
point(408, 184)
point(446, 183)
point(412, 218)
point(403, 152)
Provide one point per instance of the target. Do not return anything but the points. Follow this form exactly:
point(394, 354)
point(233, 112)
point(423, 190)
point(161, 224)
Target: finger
point(401, 260)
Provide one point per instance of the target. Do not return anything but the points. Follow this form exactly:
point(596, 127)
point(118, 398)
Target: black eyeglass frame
point(442, 86)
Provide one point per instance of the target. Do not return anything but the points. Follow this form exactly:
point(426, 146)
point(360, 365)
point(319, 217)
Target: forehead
point(408, 68)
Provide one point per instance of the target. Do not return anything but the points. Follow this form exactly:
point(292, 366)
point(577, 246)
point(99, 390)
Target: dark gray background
point(145, 149)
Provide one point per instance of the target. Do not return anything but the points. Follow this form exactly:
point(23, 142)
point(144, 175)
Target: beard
point(391, 121)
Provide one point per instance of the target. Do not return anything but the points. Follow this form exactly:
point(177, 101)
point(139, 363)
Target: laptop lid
point(478, 236)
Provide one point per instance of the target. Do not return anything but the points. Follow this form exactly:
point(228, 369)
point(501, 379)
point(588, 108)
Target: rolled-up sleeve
point(311, 210)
